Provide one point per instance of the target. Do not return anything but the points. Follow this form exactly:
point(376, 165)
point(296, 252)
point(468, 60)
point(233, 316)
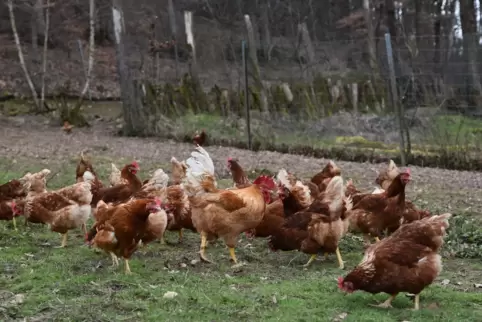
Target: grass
point(78, 284)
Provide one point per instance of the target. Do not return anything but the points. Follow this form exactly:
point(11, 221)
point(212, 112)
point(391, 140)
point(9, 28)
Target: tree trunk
point(44, 55)
point(20, 55)
point(391, 19)
point(469, 30)
point(370, 36)
point(90, 64)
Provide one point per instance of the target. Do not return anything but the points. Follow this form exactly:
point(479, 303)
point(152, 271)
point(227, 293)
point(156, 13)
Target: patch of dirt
point(30, 137)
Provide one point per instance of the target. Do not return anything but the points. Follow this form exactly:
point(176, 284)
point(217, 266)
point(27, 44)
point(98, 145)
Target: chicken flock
point(309, 216)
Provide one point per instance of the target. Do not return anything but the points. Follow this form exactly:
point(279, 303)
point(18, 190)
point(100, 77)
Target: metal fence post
point(394, 96)
point(246, 94)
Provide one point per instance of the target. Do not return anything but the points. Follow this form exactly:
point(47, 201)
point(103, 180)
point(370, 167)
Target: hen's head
point(230, 162)
point(154, 206)
point(345, 286)
point(250, 234)
point(283, 192)
point(405, 177)
point(266, 185)
point(15, 209)
point(133, 167)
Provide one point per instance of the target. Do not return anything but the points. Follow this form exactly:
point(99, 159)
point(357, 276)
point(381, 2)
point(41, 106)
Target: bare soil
point(34, 137)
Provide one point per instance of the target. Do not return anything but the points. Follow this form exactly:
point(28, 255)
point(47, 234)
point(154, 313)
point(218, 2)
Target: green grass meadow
point(39, 282)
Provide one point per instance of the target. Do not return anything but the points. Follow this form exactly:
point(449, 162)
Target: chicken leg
point(84, 228)
point(233, 255)
point(180, 235)
point(387, 303)
point(377, 239)
point(202, 251)
point(115, 261)
point(64, 241)
point(312, 258)
point(14, 223)
point(340, 260)
point(127, 267)
point(417, 302)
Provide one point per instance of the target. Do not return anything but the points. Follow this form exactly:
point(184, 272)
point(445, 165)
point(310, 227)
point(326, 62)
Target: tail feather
point(284, 178)
point(199, 165)
point(158, 180)
point(334, 194)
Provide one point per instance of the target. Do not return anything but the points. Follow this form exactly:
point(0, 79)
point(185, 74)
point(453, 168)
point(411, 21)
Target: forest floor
point(40, 282)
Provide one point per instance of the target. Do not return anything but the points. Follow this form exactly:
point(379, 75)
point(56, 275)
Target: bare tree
point(20, 54)
point(90, 64)
point(44, 55)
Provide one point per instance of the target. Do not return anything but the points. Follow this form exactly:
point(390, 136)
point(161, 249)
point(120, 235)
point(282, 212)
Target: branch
point(20, 53)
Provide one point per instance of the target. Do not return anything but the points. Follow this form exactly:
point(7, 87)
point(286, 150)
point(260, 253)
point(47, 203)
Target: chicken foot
point(202, 251)
point(387, 304)
point(312, 258)
point(84, 228)
point(233, 255)
point(64, 241)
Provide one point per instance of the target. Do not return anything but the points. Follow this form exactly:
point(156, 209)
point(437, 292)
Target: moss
point(358, 141)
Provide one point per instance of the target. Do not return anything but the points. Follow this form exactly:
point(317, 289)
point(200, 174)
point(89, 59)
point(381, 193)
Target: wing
point(227, 200)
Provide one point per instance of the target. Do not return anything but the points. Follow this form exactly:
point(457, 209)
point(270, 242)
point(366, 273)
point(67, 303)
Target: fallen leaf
point(478, 285)
point(169, 295)
point(275, 301)
point(445, 282)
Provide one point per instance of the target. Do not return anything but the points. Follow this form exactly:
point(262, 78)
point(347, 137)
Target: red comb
point(340, 281)
point(407, 170)
point(157, 201)
point(230, 159)
point(135, 164)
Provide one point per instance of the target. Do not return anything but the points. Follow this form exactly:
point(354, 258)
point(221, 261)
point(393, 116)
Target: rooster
point(406, 261)
point(224, 213)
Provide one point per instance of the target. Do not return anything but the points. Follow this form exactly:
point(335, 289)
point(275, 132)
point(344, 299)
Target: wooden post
point(394, 96)
point(246, 94)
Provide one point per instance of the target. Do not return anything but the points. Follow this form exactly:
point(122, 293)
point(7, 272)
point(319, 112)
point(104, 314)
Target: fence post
point(246, 94)
point(394, 96)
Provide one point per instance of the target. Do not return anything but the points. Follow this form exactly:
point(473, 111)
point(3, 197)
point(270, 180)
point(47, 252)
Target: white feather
point(88, 177)
point(282, 177)
point(198, 165)
point(377, 191)
point(334, 193)
point(158, 180)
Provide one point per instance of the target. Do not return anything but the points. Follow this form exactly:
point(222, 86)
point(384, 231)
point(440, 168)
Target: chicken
point(12, 189)
point(239, 177)
point(200, 138)
point(48, 200)
point(67, 127)
point(227, 213)
point(178, 171)
point(177, 204)
point(375, 213)
point(384, 179)
point(154, 187)
point(322, 178)
point(318, 228)
point(65, 218)
point(406, 261)
point(36, 183)
point(115, 177)
point(121, 192)
point(84, 166)
point(298, 190)
point(129, 224)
